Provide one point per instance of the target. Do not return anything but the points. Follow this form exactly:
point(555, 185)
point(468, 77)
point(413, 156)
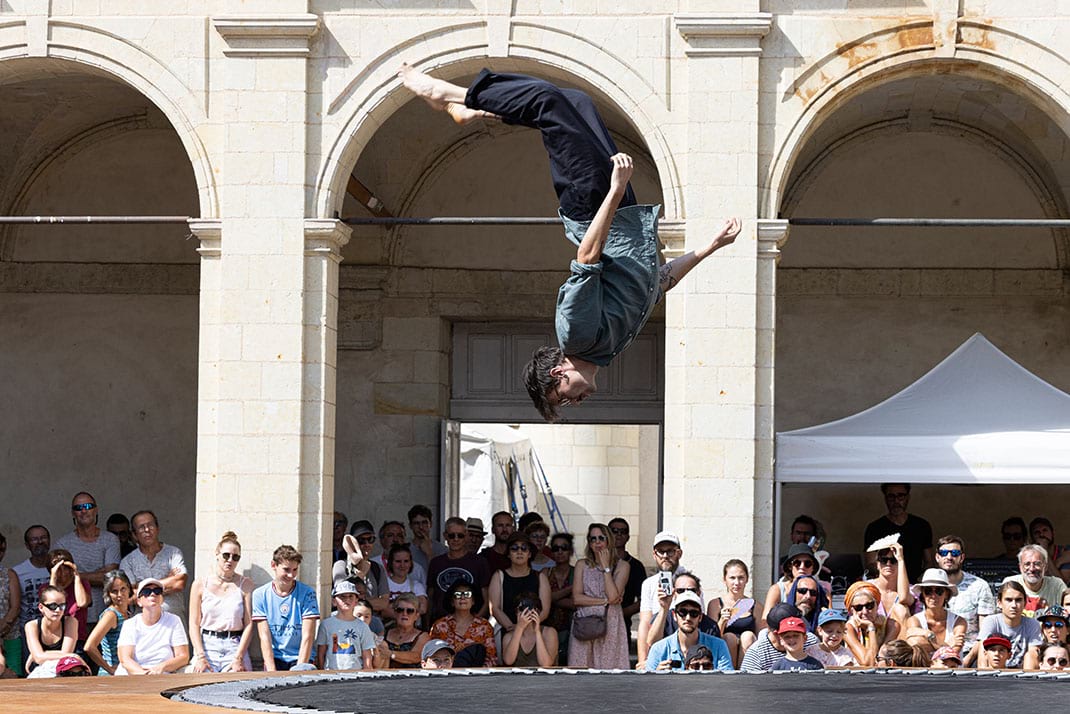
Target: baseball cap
point(360, 528)
point(947, 653)
point(831, 616)
point(434, 646)
point(995, 640)
point(700, 652)
point(686, 596)
point(146, 582)
point(475, 524)
point(778, 612)
point(791, 624)
point(66, 665)
point(342, 587)
point(667, 537)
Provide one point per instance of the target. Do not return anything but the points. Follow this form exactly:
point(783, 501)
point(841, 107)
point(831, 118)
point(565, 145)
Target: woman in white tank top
point(221, 613)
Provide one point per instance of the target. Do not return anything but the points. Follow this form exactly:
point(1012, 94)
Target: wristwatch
point(607, 570)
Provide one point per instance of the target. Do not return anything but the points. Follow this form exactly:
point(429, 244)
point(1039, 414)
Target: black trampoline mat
point(626, 692)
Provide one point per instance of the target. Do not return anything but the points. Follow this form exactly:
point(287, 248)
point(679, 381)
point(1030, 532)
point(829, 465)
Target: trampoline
point(518, 691)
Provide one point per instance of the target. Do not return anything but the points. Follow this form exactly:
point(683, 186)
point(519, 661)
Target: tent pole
point(777, 486)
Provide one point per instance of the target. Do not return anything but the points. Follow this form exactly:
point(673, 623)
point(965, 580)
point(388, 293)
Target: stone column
point(712, 403)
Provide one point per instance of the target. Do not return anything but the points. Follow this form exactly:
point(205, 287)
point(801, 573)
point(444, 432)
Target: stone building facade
point(264, 363)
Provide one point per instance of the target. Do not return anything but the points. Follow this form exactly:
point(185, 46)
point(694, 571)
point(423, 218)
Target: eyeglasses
point(1052, 624)
point(145, 527)
point(932, 591)
point(945, 552)
point(888, 560)
point(462, 594)
point(686, 590)
point(665, 553)
point(83, 506)
point(53, 606)
point(152, 590)
point(598, 538)
point(1014, 536)
point(456, 536)
point(689, 614)
point(230, 556)
point(801, 563)
point(366, 540)
point(806, 591)
point(1061, 661)
point(619, 531)
point(864, 606)
point(405, 610)
point(560, 549)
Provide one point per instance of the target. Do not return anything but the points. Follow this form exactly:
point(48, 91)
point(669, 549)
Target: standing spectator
point(803, 529)
point(506, 584)
point(54, 633)
point(153, 641)
point(560, 577)
point(501, 525)
point(1021, 632)
point(96, 552)
point(529, 644)
point(1041, 590)
point(974, 600)
point(943, 627)
point(476, 534)
point(670, 652)
point(1013, 532)
point(768, 648)
point(867, 630)
point(392, 533)
point(1053, 631)
point(343, 641)
point(221, 613)
point(458, 563)
point(158, 560)
point(102, 645)
point(424, 548)
point(338, 532)
point(63, 574)
point(667, 554)
point(285, 612)
point(633, 590)
point(470, 636)
point(400, 648)
point(10, 605)
point(915, 533)
point(538, 533)
point(33, 574)
point(736, 614)
point(792, 633)
point(597, 589)
point(399, 579)
point(1042, 533)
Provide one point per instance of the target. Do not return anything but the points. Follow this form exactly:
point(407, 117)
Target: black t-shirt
point(915, 536)
point(633, 589)
point(790, 665)
point(442, 573)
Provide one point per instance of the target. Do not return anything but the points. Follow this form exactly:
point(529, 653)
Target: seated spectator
point(942, 627)
point(670, 652)
point(363, 611)
point(1041, 590)
point(153, 641)
point(400, 580)
point(1013, 533)
point(403, 641)
point(667, 554)
point(63, 573)
point(699, 659)
point(866, 630)
point(518, 577)
point(66, 666)
point(436, 654)
point(767, 648)
point(102, 646)
point(1054, 658)
point(285, 611)
point(1020, 632)
point(832, 652)
point(900, 653)
point(10, 605)
point(1053, 630)
point(808, 595)
point(996, 651)
point(343, 641)
point(529, 644)
point(664, 623)
point(897, 601)
point(538, 533)
point(946, 658)
point(736, 614)
point(54, 633)
point(221, 613)
point(470, 637)
point(800, 560)
point(560, 577)
point(792, 633)
point(974, 599)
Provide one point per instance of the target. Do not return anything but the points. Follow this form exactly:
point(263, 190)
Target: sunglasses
point(518, 548)
point(864, 606)
point(153, 590)
point(888, 560)
point(1052, 624)
point(596, 539)
point(462, 594)
point(619, 531)
point(83, 507)
point(366, 540)
point(405, 610)
point(932, 591)
point(689, 614)
point(686, 590)
point(1061, 661)
point(456, 536)
point(806, 591)
point(945, 552)
point(802, 563)
point(560, 549)
point(53, 606)
point(231, 556)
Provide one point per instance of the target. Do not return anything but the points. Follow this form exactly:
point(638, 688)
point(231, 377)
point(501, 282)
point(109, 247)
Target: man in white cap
point(672, 651)
point(667, 554)
point(436, 654)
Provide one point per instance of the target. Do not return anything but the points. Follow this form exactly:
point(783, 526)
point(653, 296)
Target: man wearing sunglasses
point(95, 550)
point(457, 563)
point(1013, 533)
point(667, 553)
point(671, 652)
point(974, 599)
point(915, 533)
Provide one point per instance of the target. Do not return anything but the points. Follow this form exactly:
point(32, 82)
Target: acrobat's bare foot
point(463, 115)
point(438, 93)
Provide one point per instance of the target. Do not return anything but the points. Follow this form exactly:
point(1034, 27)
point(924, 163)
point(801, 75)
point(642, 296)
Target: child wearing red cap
point(792, 634)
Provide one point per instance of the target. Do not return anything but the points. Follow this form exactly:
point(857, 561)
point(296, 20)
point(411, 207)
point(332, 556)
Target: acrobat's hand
point(727, 235)
point(622, 171)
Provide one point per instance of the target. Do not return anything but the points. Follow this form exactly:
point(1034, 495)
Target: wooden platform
point(113, 695)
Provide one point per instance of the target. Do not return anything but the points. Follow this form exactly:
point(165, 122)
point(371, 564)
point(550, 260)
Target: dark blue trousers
point(575, 137)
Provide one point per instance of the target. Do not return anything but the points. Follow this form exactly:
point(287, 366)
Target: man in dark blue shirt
point(616, 279)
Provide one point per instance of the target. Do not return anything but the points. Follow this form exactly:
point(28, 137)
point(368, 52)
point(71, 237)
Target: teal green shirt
point(604, 305)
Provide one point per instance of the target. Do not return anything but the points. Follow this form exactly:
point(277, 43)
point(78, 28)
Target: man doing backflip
point(615, 280)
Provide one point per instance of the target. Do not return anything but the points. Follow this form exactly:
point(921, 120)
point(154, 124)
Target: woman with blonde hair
point(597, 590)
point(221, 613)
point(866, 630)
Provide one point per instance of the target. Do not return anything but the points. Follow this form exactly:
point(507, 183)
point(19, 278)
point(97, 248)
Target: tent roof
point(977, 417)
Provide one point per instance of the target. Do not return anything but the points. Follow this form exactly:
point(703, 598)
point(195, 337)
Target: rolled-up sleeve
point(579, 308)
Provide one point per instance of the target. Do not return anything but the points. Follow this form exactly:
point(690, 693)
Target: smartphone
point(665, 581)
point(675, 664)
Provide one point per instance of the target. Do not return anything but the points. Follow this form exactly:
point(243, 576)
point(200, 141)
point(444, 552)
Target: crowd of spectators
point(113, 601)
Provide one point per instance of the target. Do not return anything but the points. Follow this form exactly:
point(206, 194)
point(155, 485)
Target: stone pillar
point(267, 346)
point(712, 403)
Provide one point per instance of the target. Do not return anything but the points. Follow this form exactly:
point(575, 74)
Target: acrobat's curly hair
point(539, 381)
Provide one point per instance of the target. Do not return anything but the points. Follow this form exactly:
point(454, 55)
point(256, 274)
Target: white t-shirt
point(411, 585)
point(153, 644)
point(648, 598)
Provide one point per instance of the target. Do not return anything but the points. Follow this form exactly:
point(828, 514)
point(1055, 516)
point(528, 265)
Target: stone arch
point(382, 95)
point(97, 51)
